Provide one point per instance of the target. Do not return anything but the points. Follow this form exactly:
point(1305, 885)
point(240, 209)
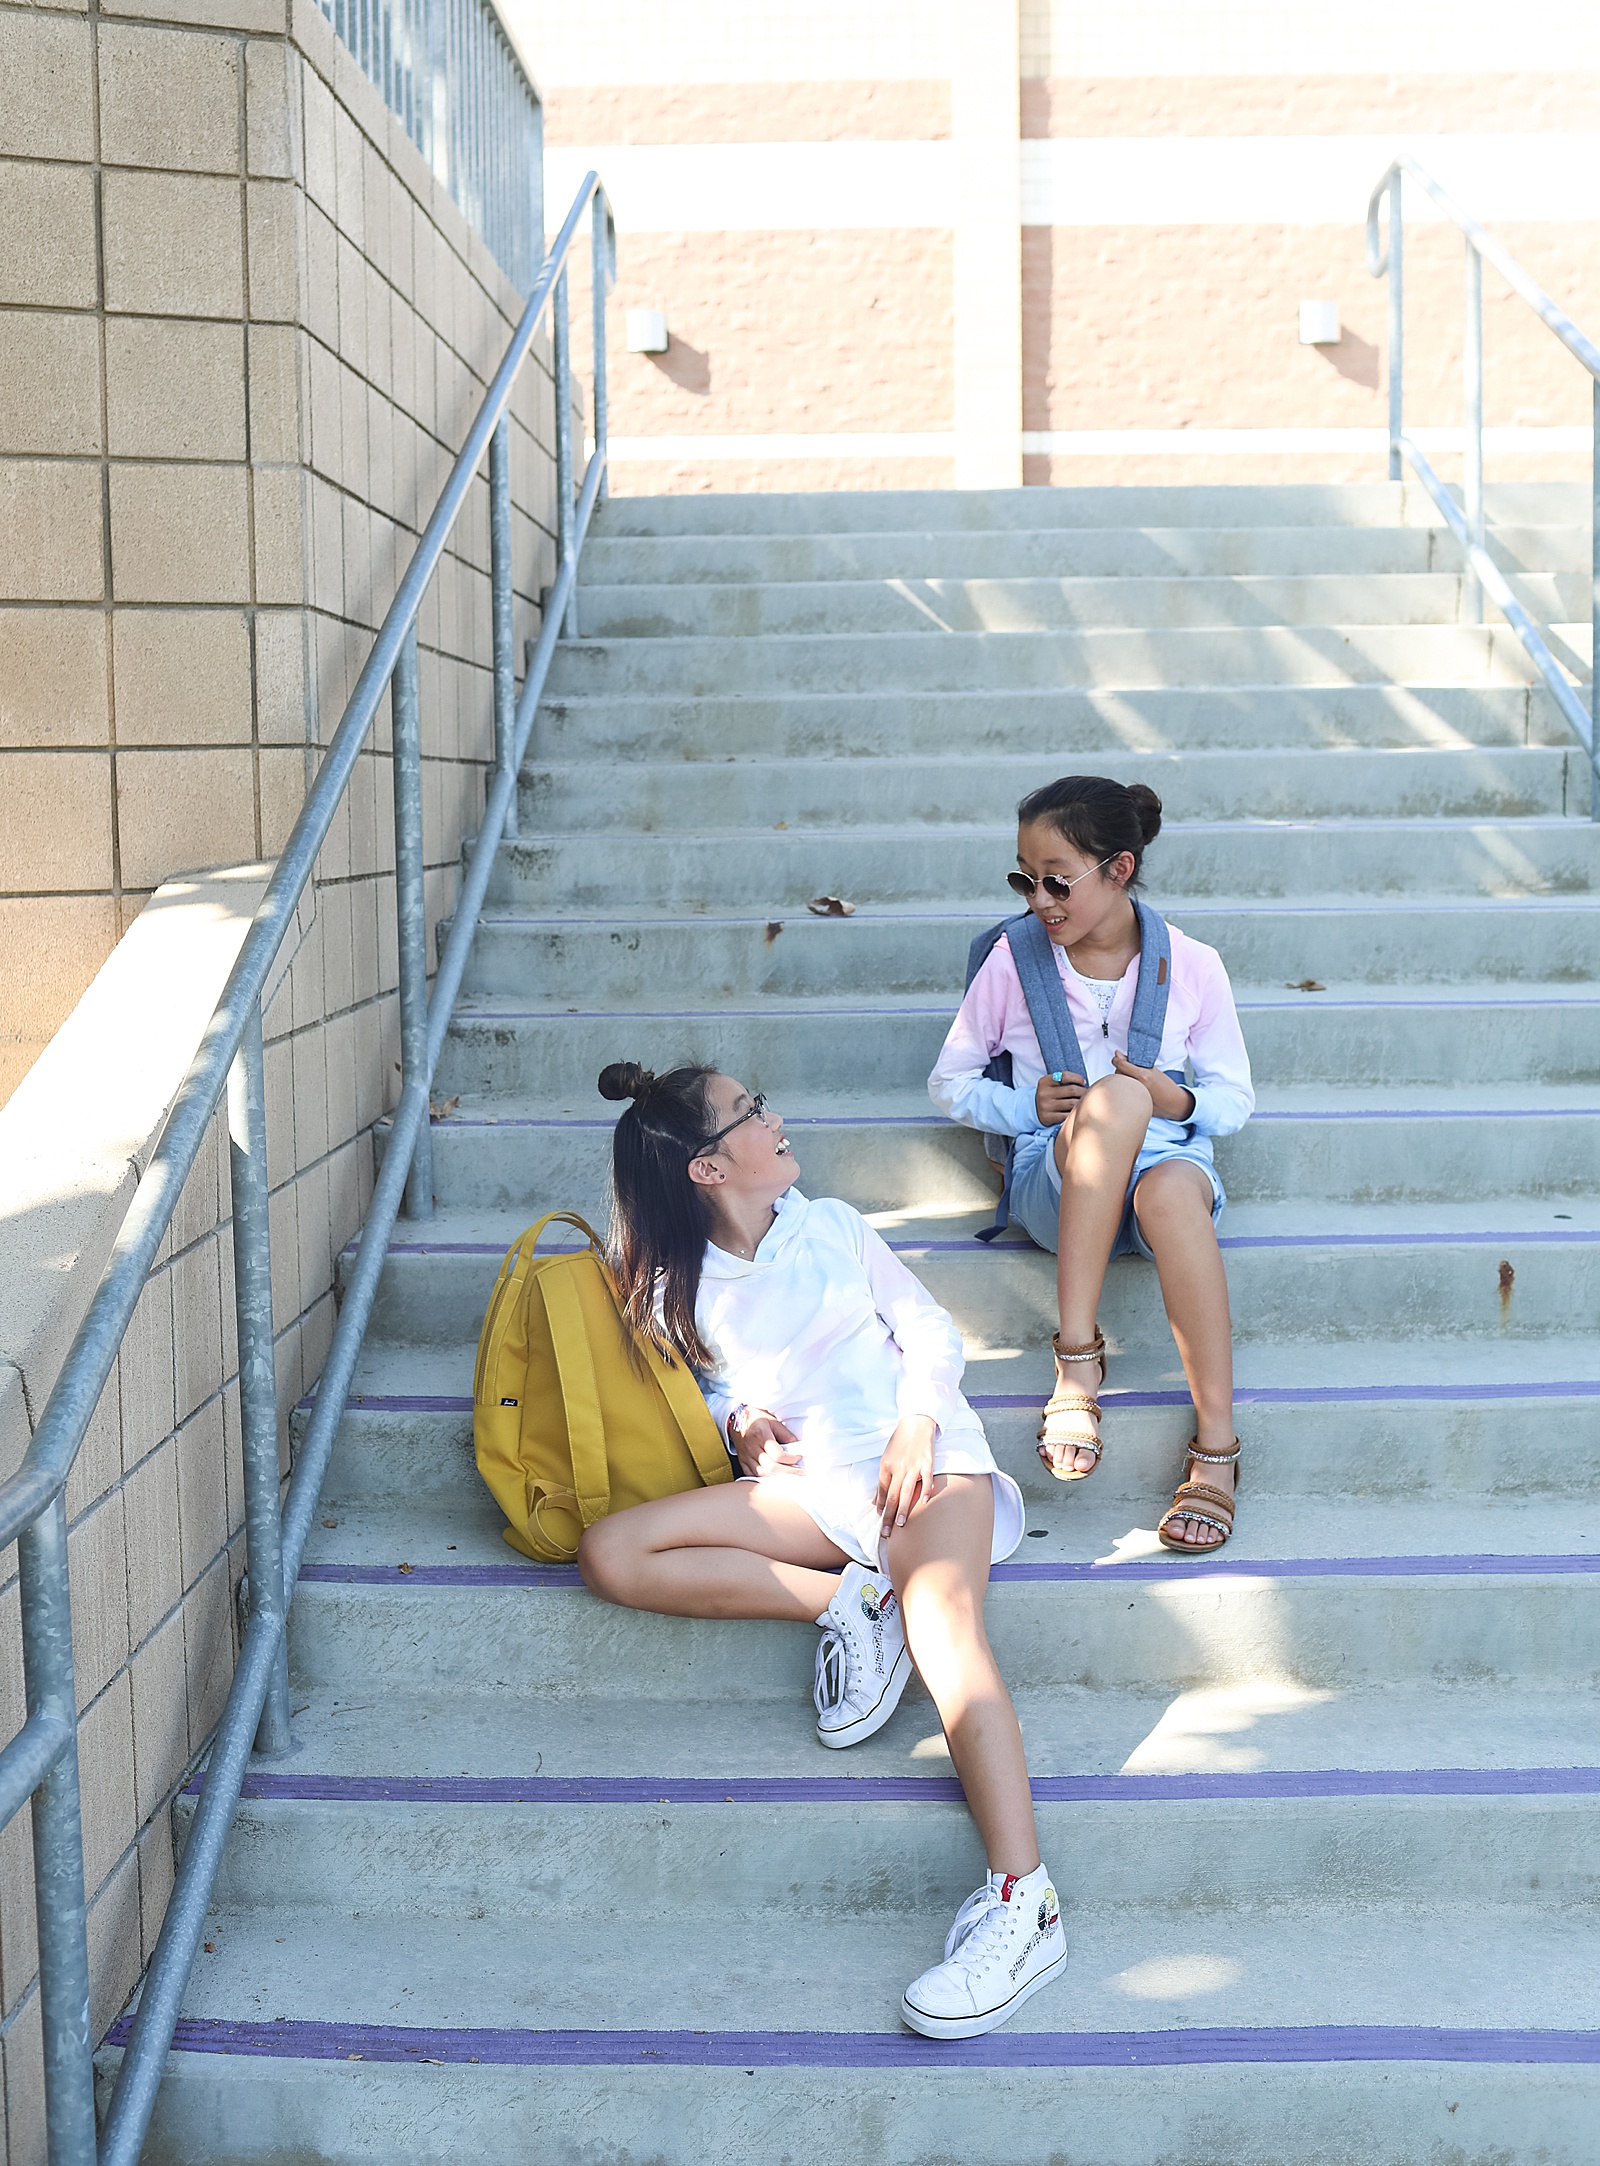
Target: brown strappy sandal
point(1200, 1501)
point(1069, 1401)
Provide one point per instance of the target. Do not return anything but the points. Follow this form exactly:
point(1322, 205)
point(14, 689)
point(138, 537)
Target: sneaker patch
point(1048, 1910)
point(873, 1605)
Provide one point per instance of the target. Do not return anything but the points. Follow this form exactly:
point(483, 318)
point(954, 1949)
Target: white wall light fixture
point(647, 330)
point(1319, 323)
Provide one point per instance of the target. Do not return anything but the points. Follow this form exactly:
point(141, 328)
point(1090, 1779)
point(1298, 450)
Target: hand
point(1169, 1101)
point(1054, 1102)
point(905, 1472)
point(759, 1439)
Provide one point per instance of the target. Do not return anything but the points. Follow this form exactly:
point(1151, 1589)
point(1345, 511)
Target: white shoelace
point(978, 1924)
point(828, 1690)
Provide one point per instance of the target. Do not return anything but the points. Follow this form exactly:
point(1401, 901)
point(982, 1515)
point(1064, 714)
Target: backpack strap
point(1033, 952)
point(1148, 1022)
point(580, 1392)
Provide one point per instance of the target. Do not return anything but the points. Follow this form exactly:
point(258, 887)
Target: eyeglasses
point(1052, 882)
point(756, 1112)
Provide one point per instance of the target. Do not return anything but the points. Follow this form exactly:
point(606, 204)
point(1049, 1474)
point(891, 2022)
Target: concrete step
point(1062, 723)
point(1296, 1271)
point(1194, 858)
point(1405, 1426)
point(1420, 1145)
point(916, 950)
point(527, 1044)
point(1455, 654)
point(1065, 553)
point(970, 511)
point(1111, 1628)
point(927, 605)
point(1286, 2093)
point(769, 796)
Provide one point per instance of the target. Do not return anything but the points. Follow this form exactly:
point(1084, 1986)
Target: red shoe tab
point(1011, 1881)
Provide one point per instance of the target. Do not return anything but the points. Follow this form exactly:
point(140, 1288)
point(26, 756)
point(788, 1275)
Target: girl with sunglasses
point(1116, 1160)
point(868, 1502)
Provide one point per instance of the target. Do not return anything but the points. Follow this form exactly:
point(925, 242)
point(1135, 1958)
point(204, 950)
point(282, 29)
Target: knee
point(605, 1553)
point(1122, 1099)
point(1173, 1195)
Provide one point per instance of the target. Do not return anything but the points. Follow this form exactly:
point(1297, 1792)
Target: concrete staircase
point(550, 1882)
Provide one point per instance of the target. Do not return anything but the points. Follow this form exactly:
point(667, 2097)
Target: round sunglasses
point(1023, 883)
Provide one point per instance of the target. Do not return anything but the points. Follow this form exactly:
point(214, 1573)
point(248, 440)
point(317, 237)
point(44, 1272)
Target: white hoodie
point(827, 1329)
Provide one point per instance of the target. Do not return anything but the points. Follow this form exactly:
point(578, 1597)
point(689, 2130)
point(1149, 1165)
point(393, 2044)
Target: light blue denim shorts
point(1036, 1188)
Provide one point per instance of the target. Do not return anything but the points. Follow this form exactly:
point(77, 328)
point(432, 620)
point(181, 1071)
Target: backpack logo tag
point(508, 1402)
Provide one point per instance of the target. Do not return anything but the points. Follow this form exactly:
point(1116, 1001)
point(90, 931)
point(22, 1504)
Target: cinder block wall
point(242, 331)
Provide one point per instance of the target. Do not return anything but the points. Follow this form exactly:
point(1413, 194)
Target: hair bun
point(1147, 809)
point(625, 1079)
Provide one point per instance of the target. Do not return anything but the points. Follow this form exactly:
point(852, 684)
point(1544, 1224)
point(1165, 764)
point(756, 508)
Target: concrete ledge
point(80, 1128)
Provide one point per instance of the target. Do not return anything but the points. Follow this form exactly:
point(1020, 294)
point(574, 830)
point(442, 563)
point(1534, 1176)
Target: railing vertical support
point(505, 665)
point(258, 1386)
point(1472, 489)
point(410, 911)
point(601, 259)
point(58, 1844)
point(1594, 606)
point(1397, 323)
point(563, 345)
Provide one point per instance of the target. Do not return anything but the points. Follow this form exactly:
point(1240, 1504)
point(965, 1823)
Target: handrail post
point(601, 282)
point(58, 1844)
point(258, 1387)
point(505, 663)
point(1397, 318)
point(1472, 491)
point(563, 345)
point(1594, 606)
point(410, 910)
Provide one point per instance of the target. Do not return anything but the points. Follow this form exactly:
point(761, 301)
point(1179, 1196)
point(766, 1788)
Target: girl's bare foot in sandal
point(1069, 1433)
point(1200, 1516)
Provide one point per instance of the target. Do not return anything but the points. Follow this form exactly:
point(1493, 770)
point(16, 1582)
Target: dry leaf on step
point(774, 927)
point(440, 1109)
point(1306, 985)
point(830, 906)
point(777, 824)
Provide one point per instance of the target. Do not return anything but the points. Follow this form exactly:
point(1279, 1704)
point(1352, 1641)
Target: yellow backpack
point(566, 1427)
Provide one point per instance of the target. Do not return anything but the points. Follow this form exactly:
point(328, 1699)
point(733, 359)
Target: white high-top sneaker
point(862, 1658)
point(1006, 1943)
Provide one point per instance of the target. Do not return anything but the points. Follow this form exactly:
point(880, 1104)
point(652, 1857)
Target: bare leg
point(939, 1562)
point(1173, 1205)
point(739, 1550)
point(1096, 1153)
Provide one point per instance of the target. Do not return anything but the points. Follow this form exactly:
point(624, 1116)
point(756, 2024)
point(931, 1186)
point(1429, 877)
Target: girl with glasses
point(868, 1502)
point(1117, 1159)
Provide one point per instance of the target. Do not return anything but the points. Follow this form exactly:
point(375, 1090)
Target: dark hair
point(1100, 817)
point(659, 1221)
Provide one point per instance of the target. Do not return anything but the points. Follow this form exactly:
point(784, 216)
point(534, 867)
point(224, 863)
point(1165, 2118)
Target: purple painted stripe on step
point(1176, 912)
point(297, 2039)
point(1170, 1565)
point(947, 1008)
point(995, 1401)
point(933, 1120)
point(911, 1789)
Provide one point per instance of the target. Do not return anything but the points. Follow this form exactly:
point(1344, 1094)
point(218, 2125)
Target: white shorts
point(844, 1500)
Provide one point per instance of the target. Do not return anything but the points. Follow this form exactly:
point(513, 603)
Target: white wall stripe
point(1083, 181)
point(1078, 443)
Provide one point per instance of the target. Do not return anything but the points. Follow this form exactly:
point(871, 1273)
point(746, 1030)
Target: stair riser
point(648, 960)
point(1058, 723)
point(713, 1863)
point(1066, 553)
point(959, 662)
point(766, 797)
point(784, 871)
point(1401, 1449)
point(984, 511)
point(941, 1167)
point(219, 2111)
point(1321, 1634)
point(558, 1057)
point(1005, 1297)
point(929, 606)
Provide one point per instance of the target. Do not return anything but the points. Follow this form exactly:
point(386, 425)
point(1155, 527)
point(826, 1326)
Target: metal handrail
point(1467, 523)
point(41, 1761)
